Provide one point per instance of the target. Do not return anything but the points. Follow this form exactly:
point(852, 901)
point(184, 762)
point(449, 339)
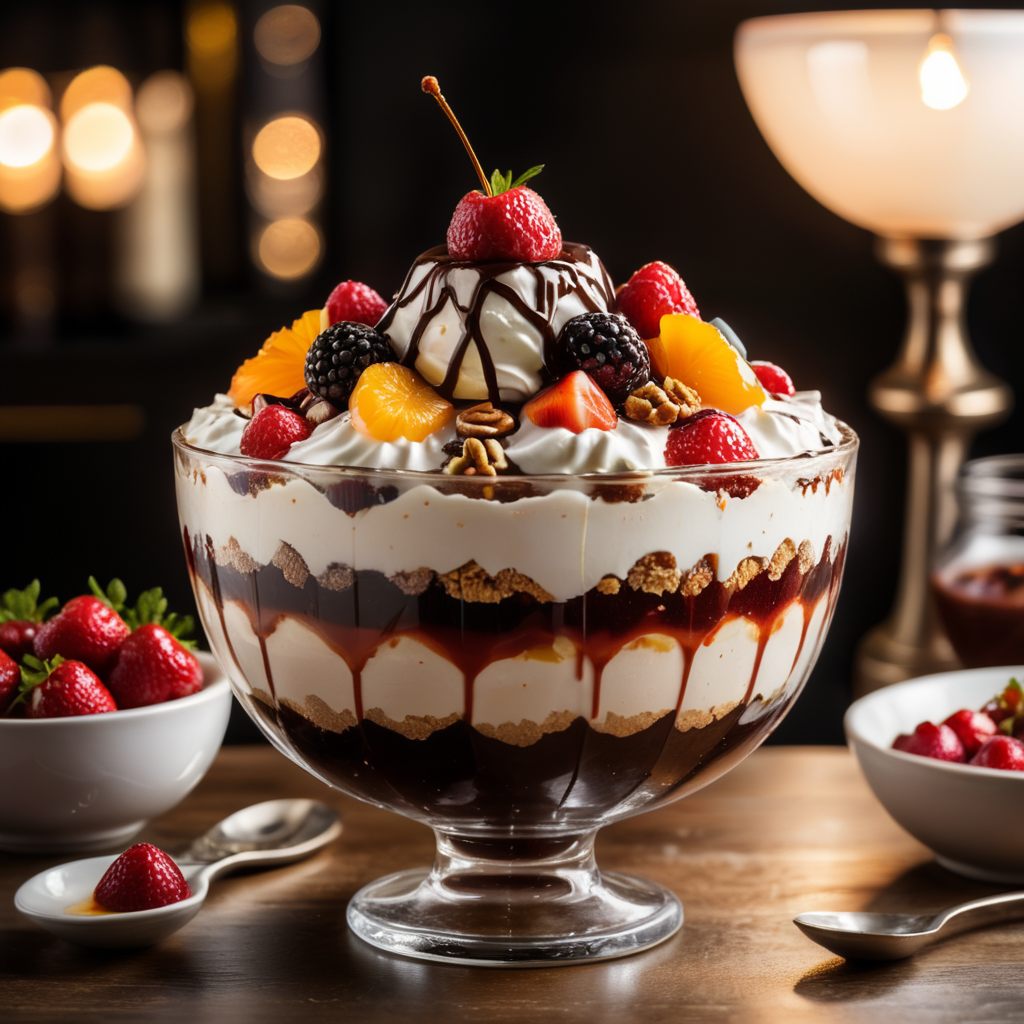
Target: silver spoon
point(264, 835)
point(858, 936)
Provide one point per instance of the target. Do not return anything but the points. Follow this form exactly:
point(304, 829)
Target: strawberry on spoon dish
point(143, 895)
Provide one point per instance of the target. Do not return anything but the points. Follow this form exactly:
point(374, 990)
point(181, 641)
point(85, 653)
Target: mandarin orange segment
point(694, 352)
point(391, 401)
point(279, 367)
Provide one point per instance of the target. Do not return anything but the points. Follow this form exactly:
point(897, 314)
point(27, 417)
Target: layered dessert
point(517, 549)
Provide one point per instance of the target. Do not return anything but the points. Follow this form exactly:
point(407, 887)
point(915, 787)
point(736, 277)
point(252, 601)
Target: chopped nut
point(412, 584)
point(609, 585)
point(685, 397)
point(484, 420)
point(650, 404)
point(697, 578)
point(231, 556)
point(470, 583)
point(336, 576)
point(662, 406)
point(483, 458)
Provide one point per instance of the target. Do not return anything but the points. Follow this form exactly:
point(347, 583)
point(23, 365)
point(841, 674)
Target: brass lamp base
point(940, 395)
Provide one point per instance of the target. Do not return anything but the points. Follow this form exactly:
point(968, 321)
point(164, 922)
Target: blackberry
point(604, 346)
point(339, 355)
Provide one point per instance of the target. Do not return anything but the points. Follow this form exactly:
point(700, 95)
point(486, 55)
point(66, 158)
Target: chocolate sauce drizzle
point(568, 275)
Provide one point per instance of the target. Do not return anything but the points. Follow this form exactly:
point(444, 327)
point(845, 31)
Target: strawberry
point(972, 729)
point(575, 403)
point(272, 432)
point(153, 667)
point(20, 617)
point(1000, 752)
point(707, 438)
point(10, 681)
point(655, 290)
point(143, 877)
point(931, 740)
point(773, 378)
point(515, 225)
point(356, 302)
point(86, 629)
point(62, 689)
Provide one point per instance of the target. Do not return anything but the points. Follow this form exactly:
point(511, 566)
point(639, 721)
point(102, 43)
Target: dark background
point(650, 154)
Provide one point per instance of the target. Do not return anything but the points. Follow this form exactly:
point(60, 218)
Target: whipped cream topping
point(781, 428)
point(477, 331)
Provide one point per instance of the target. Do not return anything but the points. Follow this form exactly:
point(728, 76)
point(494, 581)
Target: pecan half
point(486, 458)
point(662, 406)
point(484, 420)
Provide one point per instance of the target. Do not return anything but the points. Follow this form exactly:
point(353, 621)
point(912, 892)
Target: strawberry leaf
point(33, 673)
point(21, 606)
point(151, 607)
point(504, 183)
point(525, 176)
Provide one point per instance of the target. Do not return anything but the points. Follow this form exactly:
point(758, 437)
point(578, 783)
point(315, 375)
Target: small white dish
point(972, 818)
point(264, 835)
point(92, 782)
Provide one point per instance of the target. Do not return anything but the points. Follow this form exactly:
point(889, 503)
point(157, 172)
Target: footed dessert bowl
point(516, 661)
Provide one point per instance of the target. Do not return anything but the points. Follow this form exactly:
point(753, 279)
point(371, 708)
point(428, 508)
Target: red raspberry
point(153, 667)
point(654, 291)
point(85, 630)
point(707, 438)
point(931, 740)
point(515, 225)
point(70, 689)
point(355, 302)
point(773, 378)
point(972, 729)
point(143, 877)
point(1000, 752)
point(272, 432)
point(10, 680)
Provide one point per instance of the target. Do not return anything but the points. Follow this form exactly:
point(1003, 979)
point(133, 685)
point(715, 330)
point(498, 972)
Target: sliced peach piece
point(390, 402)
point(695, 353)
point(279, 367)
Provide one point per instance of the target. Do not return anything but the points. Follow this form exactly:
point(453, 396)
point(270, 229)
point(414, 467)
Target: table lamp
point(909, 123)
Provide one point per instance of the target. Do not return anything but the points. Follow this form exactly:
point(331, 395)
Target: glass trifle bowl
point(515, 662)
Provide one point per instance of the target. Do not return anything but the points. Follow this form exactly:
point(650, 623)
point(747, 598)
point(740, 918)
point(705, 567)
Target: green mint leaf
point(22, 606)
point(525, 176)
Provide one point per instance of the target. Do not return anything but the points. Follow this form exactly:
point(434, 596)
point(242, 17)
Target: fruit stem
point(429, 85)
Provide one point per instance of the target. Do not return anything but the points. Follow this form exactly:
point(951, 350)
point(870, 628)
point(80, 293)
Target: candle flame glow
point(943, 85)
point(26, 135)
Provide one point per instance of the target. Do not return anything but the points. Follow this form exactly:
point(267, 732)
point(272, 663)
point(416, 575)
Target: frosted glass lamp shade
point(841, 99)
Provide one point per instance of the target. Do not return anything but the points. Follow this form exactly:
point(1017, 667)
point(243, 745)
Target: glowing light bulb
point(943, 85)
point(287, 147)
point(26, 135)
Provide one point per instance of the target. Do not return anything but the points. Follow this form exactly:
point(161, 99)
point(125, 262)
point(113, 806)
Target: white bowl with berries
point(944, 756)
point(106, 719)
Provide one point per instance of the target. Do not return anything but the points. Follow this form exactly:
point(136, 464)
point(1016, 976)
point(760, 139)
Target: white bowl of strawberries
point(106, 719)
point(944, 756)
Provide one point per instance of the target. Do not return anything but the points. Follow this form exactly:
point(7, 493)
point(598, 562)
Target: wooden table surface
point(789, 830)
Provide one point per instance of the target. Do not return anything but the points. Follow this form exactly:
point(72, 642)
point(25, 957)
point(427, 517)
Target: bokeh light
point(288, 248)
point(97, 138)
point(287, 35)
point(23, 86)
point(293, 197)
point(164, 103)
point(287, 147)
point(101, 84)
point(942, 83)
point(212, 37)
point(26, 135)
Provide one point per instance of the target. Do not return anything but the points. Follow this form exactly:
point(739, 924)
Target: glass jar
point(978, 581)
